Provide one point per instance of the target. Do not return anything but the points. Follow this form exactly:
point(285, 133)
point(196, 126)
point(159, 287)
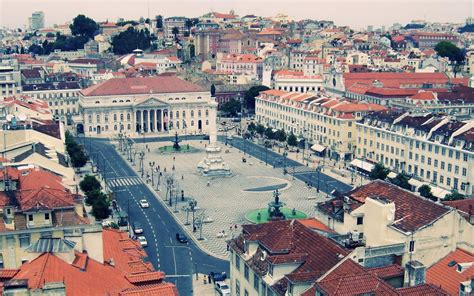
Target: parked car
point(137, 228)
point(144, 203)
point(222, 288)
point(206, 137)
point(142, 241)
point(219, 276)
point(181, 238)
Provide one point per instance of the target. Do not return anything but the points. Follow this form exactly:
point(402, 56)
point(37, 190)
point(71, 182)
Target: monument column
point(142, 122)
point(212, 123)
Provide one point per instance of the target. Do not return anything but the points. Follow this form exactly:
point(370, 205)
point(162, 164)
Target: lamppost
point(285, 155)
point(152, 167)
point(318, 169)
point(141, 156)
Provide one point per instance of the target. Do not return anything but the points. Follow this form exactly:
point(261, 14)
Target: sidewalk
point(199, 288)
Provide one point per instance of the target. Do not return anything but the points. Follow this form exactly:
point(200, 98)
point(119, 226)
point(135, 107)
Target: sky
point(355, 13)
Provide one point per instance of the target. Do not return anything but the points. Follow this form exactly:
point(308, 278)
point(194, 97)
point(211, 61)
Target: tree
point(269, 133)
point(83, 26)
point(425, 191)
point(175, 32)
point(100, 209)
point(89, 183)
point(192, 51)
point(231, 107)
point(76, 152)
point(159, 22)
point(213, 90)
point(188, 24)
point(251, 94)
point(292, 140)
point(50, 34)
point(454, 196)
point(131, 39)
point(280, 135)
point(455, 55)
point(93, 196)
point(252, 127)
point(260, 129)
point(401, 180)
point(379, 172)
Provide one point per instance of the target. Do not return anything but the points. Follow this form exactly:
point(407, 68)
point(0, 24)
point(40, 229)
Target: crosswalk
point(124, 181)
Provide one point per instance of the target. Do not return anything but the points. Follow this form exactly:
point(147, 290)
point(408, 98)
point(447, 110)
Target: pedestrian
point(182, 177)
point(208, 183)
point(164, 170)
point(173, 167)
point(174, 158)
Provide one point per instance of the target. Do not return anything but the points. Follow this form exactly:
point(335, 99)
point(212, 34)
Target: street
point(177, 260)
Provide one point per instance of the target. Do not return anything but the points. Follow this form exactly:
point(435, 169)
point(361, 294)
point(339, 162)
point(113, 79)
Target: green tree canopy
point(425, 191)
point(89, 183)
point(260, 129)
point(455, 55)
point(83, 26)
point(379, 172)
point(251, 94)
point(280, 135)
point(454, 196)
point(231, 107)
point(401, 180)
point(175, 32)
point(100, 209)
point(292, 140)
point(159, 22)
point(252, 127)
point(269, 133)
point(93, 196)
point(75, 151)
point(131, 39)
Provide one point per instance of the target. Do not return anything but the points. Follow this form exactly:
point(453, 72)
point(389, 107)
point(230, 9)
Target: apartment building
point(436, 150)
point(172, 22)
point(62, 97)
point(382, 215)
point(245, 64)
point(297, 81)
point(10, 81)
point(328, 122)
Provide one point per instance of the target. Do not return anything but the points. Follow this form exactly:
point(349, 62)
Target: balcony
point(395, 249)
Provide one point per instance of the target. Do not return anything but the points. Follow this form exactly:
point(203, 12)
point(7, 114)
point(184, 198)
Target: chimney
point(415, 273)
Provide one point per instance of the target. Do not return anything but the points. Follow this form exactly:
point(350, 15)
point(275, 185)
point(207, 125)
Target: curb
point(170, 211)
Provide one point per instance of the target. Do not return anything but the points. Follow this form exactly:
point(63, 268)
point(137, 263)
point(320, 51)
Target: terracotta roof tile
point(141, 85)
point(447, 277)
point(422, 290)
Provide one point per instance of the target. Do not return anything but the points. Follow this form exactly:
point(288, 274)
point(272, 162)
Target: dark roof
point(50, 128)
point(414, 121)
point(36, 148)
point(412, 212)
point(86, 61)
point(447, 129)
point(31, 73)
point(290, 241)
point(51, 86)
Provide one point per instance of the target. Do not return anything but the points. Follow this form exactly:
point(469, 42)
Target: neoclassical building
point(150, 105)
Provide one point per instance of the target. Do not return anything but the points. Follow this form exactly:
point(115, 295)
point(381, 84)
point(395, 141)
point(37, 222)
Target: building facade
point(436, 150)
point(172, 22)
point(163, 104)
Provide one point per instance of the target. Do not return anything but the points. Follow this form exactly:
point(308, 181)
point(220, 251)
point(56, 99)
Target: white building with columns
point(145, 105)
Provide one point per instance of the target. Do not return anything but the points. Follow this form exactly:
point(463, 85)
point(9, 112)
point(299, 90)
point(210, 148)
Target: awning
point(392, 175)
point(417, 184)
point(318, 148)
point(439, 192)
point(363, 165)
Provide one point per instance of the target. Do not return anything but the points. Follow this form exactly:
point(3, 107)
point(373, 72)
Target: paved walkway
point(225, 202)
point(201, 288)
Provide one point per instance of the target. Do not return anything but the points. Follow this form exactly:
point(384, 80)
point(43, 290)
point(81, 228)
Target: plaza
point(222, 202)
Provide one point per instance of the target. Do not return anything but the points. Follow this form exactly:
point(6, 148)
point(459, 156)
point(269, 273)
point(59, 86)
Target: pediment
point(151, 102)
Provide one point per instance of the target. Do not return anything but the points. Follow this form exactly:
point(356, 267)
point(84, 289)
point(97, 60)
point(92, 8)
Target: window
point(30, 218)
point(24, 240)
point(256, 282)
point(246, 293)
point(270, 269)
point(115, 117)
point(237, 287)
point(237, 261)
point(412, 246)
point(360, 220)
point(46, 216)
point(246, 272)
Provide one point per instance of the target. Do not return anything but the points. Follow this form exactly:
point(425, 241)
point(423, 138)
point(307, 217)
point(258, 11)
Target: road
point(325, 183)
point(177, 260)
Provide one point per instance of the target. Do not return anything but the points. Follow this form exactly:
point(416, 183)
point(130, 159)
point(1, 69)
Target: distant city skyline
point(354, 13)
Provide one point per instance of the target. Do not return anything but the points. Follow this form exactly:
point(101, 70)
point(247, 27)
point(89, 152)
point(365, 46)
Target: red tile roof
point(447, 277)
point(315, 224)
point(44, 198)
point(394, 79)
point(89, 277)
point(387, 272)
point(422, 290)
point(142, 85)
point(424, 95)
point(464, 206)
point(412, 212)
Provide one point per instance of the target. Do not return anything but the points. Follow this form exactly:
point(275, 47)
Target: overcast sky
point(355, 13)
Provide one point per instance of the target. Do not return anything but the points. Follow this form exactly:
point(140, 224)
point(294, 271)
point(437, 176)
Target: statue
point(275, 206)
point(176, 141)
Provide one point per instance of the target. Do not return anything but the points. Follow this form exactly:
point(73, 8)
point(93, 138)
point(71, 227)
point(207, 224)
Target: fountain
point(176, 141)
point(274, 208)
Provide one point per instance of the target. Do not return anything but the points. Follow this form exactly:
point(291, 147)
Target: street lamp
point(285, 154)
point(152, 167)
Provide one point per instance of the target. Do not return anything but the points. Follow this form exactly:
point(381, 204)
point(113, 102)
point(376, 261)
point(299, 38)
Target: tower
point(267, 72)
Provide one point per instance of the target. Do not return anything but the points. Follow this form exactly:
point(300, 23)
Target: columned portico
point(151, 120)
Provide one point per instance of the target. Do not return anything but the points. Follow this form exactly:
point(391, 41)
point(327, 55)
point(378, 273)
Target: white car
point(144, 203)
point(143, 241)
point(222, 288)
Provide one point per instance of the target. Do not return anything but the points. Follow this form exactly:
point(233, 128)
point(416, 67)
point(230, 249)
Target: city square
point(225, 200)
